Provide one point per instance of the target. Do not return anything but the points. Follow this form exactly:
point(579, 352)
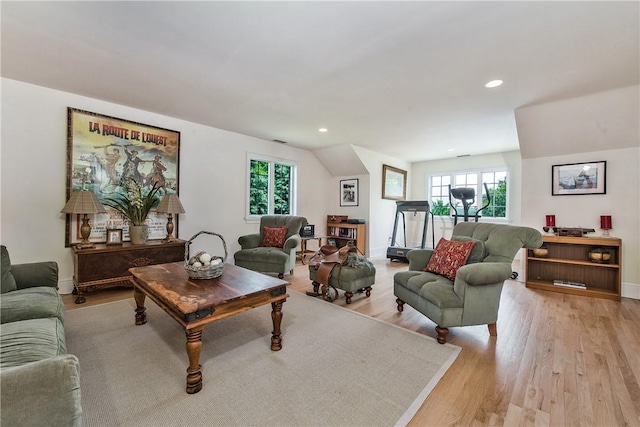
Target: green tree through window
point(498, 207)
point(282, 189)
point(259, 188)
point(270, 187)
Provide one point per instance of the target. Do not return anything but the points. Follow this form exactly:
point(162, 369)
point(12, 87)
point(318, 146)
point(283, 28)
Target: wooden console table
point(104, 266)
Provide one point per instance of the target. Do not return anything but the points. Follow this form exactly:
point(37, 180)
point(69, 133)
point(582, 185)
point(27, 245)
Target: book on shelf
point(568, 284)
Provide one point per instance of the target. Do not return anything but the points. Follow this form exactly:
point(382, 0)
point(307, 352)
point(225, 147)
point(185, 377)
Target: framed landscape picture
point(103, 154)
point(394, 183)
point(579, 178)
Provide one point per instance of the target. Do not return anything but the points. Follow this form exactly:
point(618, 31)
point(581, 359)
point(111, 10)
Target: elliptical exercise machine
point(467, 195)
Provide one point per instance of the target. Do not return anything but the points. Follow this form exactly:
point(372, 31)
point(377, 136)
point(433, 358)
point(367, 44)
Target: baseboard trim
point(631, 290)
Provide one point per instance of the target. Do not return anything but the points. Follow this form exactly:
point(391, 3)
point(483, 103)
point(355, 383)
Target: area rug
point(336, 368)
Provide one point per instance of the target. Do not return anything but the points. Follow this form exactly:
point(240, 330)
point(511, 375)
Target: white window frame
point(293, 190)
point(478, 187)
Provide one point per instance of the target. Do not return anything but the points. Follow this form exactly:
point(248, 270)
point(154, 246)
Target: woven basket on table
point(204, 272)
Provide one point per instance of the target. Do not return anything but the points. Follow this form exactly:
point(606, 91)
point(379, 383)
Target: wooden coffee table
point(194, 303)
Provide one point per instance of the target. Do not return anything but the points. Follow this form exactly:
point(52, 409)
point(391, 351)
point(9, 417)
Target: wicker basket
point(204, 272)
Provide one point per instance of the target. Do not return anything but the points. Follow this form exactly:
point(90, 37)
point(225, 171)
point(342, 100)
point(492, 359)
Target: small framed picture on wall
point(394, 183)
point(579, 178)
point(349, 192)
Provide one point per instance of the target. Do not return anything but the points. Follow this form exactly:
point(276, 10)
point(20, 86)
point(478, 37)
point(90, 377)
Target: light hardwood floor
point(558, 359)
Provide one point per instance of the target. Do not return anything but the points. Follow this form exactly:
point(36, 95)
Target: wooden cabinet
point(342, 233)
point(104, 266)
point(568, 260)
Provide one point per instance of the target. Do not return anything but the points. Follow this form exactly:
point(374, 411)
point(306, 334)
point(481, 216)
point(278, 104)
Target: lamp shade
point(83, 202)
point(170, 203)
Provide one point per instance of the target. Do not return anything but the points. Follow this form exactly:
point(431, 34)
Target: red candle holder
point(550, 220)
point(605, 224)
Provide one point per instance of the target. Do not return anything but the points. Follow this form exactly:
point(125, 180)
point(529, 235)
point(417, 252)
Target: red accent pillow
point(448, 257)
point(274, 237)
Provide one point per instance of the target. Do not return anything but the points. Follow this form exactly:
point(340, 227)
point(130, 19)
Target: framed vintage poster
point(394, 183)
point(579, 178)
point(349, 192)
point(103, 153)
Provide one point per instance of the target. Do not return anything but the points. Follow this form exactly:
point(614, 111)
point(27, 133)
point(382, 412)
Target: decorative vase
point(600, 256)
point(138, 234)
point(541, 252)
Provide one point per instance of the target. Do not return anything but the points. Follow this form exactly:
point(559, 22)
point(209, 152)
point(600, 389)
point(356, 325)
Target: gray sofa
point(39, 381)
point(473, 297)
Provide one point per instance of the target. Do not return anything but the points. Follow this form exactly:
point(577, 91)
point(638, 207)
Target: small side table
point(303, 246)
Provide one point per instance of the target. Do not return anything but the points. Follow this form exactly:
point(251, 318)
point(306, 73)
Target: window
point(271, 187)
point(496, 184)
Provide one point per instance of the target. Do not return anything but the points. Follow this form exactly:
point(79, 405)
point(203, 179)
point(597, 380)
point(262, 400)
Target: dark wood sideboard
point(105, 266)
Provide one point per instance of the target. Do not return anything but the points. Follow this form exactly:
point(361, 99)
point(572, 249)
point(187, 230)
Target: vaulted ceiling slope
point(401, 78)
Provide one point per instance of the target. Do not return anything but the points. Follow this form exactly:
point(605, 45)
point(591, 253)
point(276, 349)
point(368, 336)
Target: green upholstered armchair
point(473, 298)
point(271, 259)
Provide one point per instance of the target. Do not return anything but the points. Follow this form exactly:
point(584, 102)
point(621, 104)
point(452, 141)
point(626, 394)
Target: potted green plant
point(135, 205)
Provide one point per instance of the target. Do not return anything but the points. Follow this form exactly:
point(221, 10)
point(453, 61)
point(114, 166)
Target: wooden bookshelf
point(342, 233)
point(568, 260)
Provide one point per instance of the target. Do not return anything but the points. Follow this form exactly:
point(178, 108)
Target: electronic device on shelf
point(308, 230)
point(569, 231)
point(354, 221)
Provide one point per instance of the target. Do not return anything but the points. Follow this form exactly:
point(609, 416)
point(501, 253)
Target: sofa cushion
point(31, 303)
point(274, 236)
point(8, 282)
point(31, 340)
point(477, 253)
point(261, 255)
point(435, 288)
point(448, 257)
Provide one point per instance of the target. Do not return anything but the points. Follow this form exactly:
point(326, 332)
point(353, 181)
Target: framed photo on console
point(104, 154)
point(114, 236)
point(579, 178)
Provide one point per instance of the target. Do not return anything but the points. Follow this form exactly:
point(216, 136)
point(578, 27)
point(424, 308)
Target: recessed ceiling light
point(451, 149)
point(323, 130)
point(494, 83)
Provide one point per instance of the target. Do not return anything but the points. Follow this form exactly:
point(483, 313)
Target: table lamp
point(84, 202)
point(170, 204)
point(605, 224)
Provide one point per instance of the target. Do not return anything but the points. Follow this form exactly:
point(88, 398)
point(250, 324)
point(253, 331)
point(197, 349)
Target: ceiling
point(404, 79)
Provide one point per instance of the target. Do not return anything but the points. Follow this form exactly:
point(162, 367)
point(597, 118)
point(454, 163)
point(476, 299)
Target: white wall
point(599, 121)
point(381, 211)
point(212, 174)
point(622, 202)
point(601, 126)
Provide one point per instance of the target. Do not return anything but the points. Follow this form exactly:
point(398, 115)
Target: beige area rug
point(336, 368)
